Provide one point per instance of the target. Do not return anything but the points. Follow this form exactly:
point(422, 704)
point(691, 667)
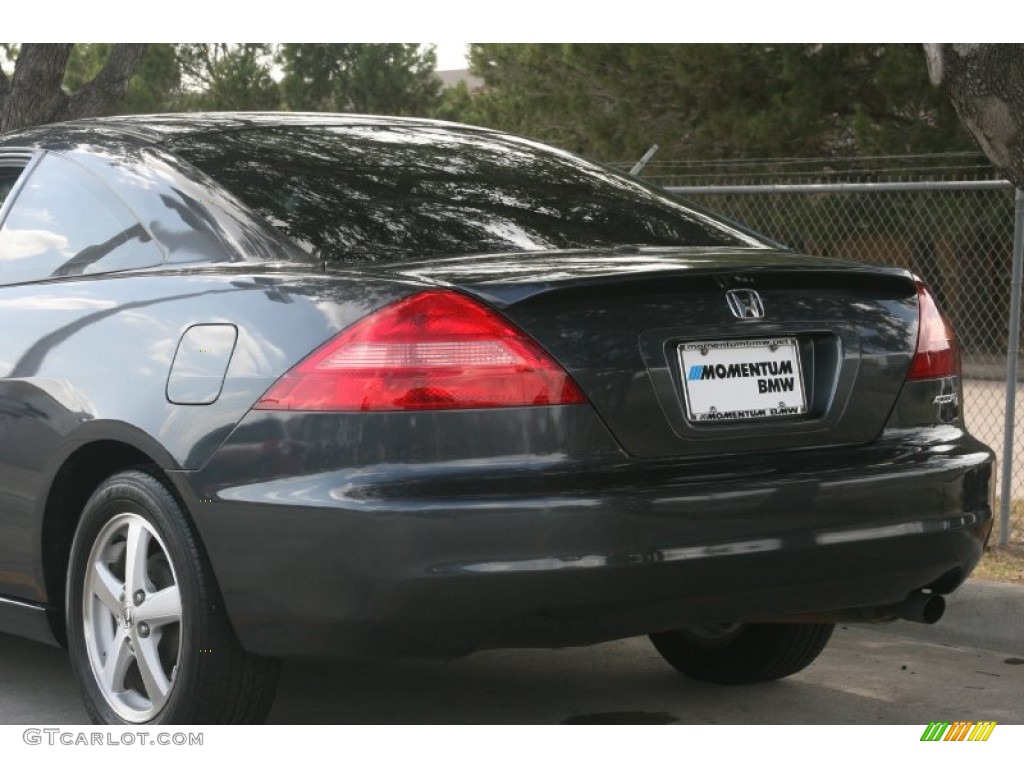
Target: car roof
point(156, 129)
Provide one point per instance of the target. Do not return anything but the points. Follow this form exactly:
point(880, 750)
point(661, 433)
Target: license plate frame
point(731, 392)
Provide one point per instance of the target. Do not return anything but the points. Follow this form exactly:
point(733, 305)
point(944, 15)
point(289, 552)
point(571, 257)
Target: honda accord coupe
point(307, 385)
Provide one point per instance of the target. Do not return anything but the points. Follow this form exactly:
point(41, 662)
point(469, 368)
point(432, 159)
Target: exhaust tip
point(922, 608)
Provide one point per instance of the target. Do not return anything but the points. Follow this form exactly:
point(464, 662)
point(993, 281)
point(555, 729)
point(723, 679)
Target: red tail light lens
point(433, 350)
point(937, 355)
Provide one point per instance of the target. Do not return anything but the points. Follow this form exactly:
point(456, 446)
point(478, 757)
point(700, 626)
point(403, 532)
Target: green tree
point(187, 77)
point(615, 100)
point(155, 86)
point(228, 76)
point(457, 103)
point(372, 78)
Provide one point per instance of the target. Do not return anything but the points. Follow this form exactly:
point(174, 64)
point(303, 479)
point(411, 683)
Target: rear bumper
point(444, 558)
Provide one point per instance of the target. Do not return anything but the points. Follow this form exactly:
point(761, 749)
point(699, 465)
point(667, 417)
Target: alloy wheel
point(132, 617)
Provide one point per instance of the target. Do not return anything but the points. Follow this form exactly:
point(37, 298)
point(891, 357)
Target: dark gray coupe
point(290, 385)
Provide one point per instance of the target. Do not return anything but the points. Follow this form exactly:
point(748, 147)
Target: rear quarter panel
point(87, 359)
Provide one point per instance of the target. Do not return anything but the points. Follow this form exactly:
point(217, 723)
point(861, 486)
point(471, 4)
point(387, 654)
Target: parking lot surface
point(865, 676)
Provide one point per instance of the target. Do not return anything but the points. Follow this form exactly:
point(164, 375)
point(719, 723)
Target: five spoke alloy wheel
point(131, 613)
point(148, 632)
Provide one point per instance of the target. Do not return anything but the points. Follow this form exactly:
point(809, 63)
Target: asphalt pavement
point(970, 666)
point(980, 614)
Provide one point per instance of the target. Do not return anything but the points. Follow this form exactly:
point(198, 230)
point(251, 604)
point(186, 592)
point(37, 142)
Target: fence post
point(1012, 355)
point(635, 170)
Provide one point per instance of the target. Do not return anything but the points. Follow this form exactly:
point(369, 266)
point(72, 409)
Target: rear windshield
point(370, 193)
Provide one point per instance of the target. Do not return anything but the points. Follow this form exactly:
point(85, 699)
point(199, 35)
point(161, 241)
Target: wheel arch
point(72, 480)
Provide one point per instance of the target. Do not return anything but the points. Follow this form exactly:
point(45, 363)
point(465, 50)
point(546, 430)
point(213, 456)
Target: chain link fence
point(937, 216)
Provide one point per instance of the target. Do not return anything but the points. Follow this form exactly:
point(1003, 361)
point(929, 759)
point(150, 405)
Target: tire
point(736, 654)
point(151, 643)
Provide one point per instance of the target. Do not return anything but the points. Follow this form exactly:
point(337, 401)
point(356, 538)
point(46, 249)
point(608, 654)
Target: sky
point(637, 21)
point(450, 55)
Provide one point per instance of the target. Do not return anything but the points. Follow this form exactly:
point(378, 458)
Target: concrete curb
point(981, 614)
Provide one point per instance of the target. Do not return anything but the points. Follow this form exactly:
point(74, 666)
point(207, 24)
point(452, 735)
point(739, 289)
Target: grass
point(1005, 563)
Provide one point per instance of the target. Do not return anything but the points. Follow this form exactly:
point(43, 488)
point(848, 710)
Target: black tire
point(742, 653)
point(162, 670)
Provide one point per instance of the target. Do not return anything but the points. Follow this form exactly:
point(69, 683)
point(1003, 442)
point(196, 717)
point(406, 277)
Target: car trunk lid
point(653, 338)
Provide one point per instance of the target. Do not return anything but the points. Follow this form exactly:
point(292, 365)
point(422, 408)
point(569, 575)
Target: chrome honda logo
point(745, 303)
point(127, 617)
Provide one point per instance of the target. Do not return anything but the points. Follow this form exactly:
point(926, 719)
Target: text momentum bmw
point(307, 385)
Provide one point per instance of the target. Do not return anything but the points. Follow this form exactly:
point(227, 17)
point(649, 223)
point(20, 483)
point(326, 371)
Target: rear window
point(368, 193)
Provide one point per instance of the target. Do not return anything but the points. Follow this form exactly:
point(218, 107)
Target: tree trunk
point(985, 83)
point(34, 94)
point(103, 92)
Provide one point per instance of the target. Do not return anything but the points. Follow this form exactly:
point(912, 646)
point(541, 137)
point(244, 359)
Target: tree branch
point(100, 94)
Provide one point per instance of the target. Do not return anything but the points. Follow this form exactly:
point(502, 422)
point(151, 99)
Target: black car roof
point(155, 129)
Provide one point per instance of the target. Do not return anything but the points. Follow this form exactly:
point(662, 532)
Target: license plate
point(742, 379)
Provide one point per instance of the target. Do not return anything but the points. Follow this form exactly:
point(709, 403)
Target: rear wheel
point(734, 654)
point(147, 632)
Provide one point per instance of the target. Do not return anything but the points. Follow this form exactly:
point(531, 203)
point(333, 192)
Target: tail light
point(433, 350)
point(937, 354)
